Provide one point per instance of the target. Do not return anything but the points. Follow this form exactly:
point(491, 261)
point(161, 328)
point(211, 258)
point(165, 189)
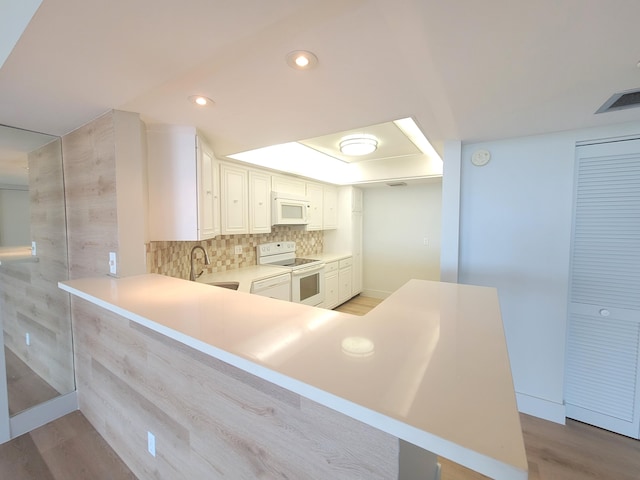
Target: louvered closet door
point(602, 384)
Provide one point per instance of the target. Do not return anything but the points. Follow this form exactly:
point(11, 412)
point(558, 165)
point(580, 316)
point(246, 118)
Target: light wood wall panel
point(90, 186)
point(31, 300)
point(210, 419)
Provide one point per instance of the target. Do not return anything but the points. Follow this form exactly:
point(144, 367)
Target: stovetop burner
point(282, 254)
point(300, 261)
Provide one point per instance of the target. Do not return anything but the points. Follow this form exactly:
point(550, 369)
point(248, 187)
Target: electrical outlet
point(238, 249)
point(151, 443)
point(425, 241)
point(27, 339)
point(112, 263)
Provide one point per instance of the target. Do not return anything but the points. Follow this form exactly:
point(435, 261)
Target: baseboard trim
point(538, 407)
point(42, 414)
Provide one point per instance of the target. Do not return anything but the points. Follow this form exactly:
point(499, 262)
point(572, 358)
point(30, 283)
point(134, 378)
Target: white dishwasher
point(274, 287)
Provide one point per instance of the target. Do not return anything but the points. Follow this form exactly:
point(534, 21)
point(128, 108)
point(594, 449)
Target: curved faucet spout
point(192, 274)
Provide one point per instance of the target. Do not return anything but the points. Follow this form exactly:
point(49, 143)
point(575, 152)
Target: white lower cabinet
point(338, 282)
point(331, 285)
point(345, 278)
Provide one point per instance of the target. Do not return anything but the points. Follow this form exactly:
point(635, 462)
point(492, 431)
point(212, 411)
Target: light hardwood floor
point(66, 449)
point(70, 448)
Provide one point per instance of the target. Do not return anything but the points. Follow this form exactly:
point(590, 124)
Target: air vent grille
point(397, 184)
point(621, 101)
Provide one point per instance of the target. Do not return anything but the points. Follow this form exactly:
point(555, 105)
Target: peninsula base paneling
point(210, 419)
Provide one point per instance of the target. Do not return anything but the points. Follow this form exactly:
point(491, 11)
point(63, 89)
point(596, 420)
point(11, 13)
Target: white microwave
point(288, 209)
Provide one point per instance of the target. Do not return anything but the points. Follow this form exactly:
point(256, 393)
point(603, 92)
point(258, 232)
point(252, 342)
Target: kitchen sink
point(229, 285)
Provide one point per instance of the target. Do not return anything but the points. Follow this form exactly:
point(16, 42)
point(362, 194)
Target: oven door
point(307, 285)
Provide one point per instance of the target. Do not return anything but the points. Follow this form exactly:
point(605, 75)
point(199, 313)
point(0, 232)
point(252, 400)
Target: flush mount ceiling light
point(301, 60)
point(358, 144)
point(200, 100)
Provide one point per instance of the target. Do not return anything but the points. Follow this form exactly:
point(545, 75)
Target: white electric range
point(307, 274)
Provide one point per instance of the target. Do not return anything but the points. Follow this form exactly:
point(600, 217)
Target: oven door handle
point(303, 271)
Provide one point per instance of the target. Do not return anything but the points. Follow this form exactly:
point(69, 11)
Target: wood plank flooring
point(358, 305)
point(66, 449)
point(70, 448)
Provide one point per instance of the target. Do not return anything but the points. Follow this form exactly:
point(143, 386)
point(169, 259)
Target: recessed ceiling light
point(201, 100)
point(358, 144)
point(301, 60)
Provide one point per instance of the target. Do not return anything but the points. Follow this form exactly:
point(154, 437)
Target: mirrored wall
point(34, 312)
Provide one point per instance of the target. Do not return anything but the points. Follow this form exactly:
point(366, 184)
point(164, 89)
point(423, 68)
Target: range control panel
point(276, 248)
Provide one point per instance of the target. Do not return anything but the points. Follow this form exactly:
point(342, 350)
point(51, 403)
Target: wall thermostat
point(480, 157)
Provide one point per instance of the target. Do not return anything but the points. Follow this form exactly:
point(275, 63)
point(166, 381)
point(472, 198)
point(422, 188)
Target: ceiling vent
point(397, 184)
point(621, 101)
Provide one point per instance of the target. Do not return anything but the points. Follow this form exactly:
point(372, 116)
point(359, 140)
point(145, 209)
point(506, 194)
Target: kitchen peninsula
point(252, 387)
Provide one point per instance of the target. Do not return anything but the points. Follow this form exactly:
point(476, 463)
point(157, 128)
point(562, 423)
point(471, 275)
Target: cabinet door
point(235, 199)
point(329, 208)
point(315, 196)
point(259, 202)
point(174, 179)
point(331, 290)
point(208, 195)
point(282, 184)
point(345, 279)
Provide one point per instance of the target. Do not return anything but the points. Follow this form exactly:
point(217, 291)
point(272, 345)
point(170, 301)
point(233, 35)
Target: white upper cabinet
point(235, 199)
point(182, 185)
point(209, 192)
point(315, 196)
point(286, 184)
point(329, 207)
point(323, 201)
point(259, 202)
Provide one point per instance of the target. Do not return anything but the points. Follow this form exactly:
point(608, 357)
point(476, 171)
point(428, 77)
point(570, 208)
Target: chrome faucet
point(192, 274)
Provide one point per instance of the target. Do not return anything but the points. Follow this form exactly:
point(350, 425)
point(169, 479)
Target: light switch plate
point(151, 443)
point(112, 263)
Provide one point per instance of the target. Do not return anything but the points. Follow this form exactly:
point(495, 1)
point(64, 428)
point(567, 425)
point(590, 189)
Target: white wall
point(396, 221)
point(14, 218)
point(515, 228)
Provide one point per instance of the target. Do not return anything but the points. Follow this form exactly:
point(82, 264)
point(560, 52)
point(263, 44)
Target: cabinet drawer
point(330, 267)
point(346, 262)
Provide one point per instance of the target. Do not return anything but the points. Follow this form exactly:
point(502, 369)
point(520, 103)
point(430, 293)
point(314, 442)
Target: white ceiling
point(465, 70)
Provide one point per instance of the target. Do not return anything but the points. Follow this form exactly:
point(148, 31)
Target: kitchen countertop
point(436, 372)
point(329, 257)
point(245, 275)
